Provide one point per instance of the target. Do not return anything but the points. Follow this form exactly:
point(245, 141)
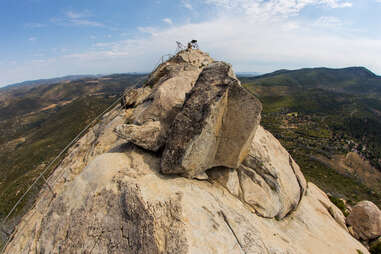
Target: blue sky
point(45, 38)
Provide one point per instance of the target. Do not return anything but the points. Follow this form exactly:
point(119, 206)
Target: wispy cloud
point(168, 21)
point(32, 39)
point(249, 42)
point(328, 21)
point(85, 22)
point(187, 4)
point(35, 25)
point(264, 36)
point(273, 8)
point(97, 55)
point(148, 30)
point(82, 18)
point(78, 15)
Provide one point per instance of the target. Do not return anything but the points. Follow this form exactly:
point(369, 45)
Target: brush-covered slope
point(184, 167)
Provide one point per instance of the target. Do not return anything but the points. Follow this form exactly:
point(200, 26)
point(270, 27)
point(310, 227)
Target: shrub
point(340, 204)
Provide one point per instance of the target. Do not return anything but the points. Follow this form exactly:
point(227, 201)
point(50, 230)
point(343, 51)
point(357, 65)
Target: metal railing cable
point(58, 156)
point(64, 150)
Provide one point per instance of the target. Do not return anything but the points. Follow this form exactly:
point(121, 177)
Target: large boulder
point(161, 98)
point(215, 126)
point(365, 221)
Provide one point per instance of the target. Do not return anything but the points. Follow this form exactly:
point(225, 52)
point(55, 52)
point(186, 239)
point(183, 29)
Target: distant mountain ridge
point(353, 80)
point(248, 74)
point(50, 80)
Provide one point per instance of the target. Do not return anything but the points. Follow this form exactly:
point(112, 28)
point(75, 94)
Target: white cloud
point(78, 15)
point(271, 8)
point(328, 21)
point(168, 21)
point(247, 47)
point(32, 38)
point(72, 18)
point(85, 22)
point(35, 25)
point(187, 5)
point(148, 30)
point(96, 55)
point(250, 42)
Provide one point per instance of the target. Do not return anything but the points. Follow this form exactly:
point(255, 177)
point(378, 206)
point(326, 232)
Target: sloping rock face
point(111, 195)
point(275, 175)
point(365, 221)
point(120, 203)
point(271, 183)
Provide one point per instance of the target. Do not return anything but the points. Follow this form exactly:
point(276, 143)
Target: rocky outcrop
point(161, 98)
point(113, 197)
point(215, 126)
point(149, 137)
point(365, 221)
